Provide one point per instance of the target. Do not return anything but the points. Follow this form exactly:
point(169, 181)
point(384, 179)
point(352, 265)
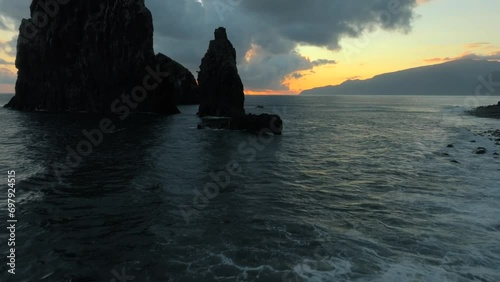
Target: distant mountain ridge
point(461, 77)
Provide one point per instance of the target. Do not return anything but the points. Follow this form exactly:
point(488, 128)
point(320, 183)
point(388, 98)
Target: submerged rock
point(220, 85)
point(480, 151)
point(264, 123)
point(87, 55)
point(257, 124)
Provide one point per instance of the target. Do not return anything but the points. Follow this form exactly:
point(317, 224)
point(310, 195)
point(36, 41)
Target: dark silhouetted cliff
point(92, 56)
point(220, 85)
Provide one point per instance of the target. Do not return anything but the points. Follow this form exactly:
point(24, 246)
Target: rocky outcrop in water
point(94, 56)
point(256, 124)
point(220, 85)
point(221, 92)
point(487, 111)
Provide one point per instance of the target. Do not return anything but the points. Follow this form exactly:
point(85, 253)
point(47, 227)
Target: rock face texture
point(184, 84)
point(221, 89)
point(84, 55)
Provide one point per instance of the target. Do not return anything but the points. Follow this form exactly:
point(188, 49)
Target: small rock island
point(222, 94)
point(220, 83)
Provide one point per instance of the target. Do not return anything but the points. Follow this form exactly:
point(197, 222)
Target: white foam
point(331, 269)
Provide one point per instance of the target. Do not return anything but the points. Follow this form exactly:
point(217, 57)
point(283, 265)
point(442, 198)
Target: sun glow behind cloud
point(250, 54)
point(430, 42)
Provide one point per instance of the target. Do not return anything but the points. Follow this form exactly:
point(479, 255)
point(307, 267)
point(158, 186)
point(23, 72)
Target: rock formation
point(487, 111)
point(86, 55)
point(220, 85)
point(184, 84)
point(258, 124)
point(221, 92)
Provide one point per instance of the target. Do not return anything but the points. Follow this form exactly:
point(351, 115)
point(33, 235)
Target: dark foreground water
point(357, 189)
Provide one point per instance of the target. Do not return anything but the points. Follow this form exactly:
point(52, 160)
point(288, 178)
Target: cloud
point(183, 29)
point(420, 2)
point(12, 12)
point(296, 75)
point(494, 56)
point(9, 47)
point(353, 77)
point(476, 45)
point(322, 62)
point(4, 62)
point(7, 76)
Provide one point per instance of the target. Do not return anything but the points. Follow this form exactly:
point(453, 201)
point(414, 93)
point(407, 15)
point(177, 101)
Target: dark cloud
point(296, 75)
point(274, 28)
point(12, 12)
point(322, 62)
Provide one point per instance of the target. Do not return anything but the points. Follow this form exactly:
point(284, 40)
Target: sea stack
point(221, 92)
point(84, 56)
point(220, 85)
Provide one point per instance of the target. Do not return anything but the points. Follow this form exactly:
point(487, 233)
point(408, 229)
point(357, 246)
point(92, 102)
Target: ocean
point(358, 188)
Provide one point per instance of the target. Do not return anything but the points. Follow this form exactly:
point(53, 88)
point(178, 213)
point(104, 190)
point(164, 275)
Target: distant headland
point(457, 78)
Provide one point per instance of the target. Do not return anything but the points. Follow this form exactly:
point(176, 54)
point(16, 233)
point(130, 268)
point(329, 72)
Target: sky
point(286, 46)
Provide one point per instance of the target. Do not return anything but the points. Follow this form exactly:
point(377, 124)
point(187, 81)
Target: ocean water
point(356, 189)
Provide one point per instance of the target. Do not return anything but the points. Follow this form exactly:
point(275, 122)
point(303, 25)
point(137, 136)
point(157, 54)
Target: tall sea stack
point(85, 55)
point(221, 89)
point(221, 92)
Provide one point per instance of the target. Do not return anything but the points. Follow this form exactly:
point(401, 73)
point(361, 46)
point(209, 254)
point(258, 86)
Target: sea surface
point(358, 188)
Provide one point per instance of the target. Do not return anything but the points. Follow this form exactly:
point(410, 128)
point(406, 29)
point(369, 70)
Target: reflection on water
point(357, 188)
